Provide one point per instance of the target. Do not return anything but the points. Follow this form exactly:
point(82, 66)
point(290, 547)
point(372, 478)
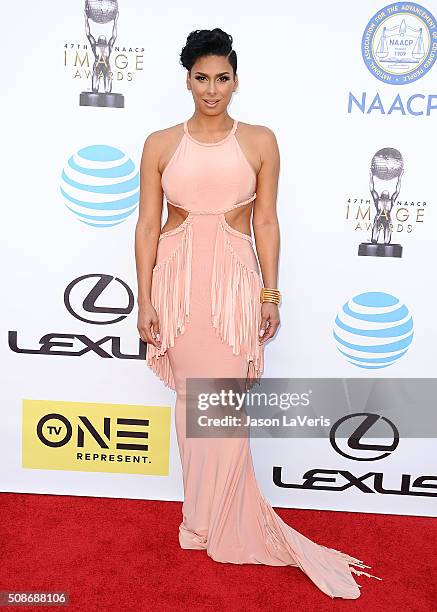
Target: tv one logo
point(348, 439)
point(96, 437)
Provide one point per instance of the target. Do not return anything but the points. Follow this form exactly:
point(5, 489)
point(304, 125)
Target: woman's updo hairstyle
point(208, 42)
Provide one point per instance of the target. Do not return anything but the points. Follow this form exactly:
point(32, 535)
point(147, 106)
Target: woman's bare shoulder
point(158, 144)
point(165, 135)
point(259, 139)
point(258, 132)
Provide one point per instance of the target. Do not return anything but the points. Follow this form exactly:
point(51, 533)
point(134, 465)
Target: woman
point(204, 311)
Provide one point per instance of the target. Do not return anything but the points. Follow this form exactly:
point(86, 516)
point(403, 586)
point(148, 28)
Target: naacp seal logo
point(399, 43)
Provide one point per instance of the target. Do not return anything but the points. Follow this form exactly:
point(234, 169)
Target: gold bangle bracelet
point(270, 295)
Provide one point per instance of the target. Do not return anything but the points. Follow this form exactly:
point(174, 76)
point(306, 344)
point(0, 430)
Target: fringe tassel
point(170, 295)
point(353, 561)
point(281, 543)
point(235, 306)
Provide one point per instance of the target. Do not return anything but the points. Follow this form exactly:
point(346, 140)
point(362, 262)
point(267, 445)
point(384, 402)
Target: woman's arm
point(147, 233)
point(266, 226)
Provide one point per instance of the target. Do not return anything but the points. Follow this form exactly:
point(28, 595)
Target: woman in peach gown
point(200, 312)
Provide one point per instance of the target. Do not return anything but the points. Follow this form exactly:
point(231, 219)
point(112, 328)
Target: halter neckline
point(211, 144)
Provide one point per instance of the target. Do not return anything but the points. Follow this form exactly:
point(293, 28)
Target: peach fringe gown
point(205, 289)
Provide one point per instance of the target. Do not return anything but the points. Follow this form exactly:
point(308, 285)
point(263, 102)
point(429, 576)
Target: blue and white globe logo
point(373, 330)
point(398, 43)
point(100, 185)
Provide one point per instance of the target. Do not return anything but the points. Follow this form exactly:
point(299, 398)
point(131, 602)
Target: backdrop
point(349, 90)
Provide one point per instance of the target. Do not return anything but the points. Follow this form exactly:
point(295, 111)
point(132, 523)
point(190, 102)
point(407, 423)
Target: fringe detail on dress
point(276, 532)
point(353, 561)
point(235, 305)
point(170, 296)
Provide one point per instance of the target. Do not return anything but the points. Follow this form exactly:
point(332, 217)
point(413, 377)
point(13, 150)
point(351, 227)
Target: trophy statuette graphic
point(387, 164)
point(101, 12)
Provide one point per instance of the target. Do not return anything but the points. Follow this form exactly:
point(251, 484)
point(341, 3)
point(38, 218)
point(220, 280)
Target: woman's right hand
point(148, 325)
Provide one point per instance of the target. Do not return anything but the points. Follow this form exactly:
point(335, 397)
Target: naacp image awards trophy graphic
point(101, 12)
point(387, 164)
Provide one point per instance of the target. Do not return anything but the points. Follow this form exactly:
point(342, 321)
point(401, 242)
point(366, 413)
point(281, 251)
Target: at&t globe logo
point(373, 330)
point(399, 43)
point(100, 185)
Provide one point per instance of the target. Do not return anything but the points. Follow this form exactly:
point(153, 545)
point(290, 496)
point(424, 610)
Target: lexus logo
point(347, 434)
point(99, 299)
point(87, 298)
point(347, 438)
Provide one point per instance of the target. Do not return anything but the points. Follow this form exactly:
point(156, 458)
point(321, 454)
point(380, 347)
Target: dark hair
point(208, 42)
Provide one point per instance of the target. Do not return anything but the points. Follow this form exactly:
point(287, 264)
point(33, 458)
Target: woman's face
point(212, 79)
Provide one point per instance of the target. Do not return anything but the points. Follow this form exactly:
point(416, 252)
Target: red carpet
point(117, 554)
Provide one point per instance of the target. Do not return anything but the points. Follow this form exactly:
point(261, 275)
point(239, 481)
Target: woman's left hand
point(269, 321)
